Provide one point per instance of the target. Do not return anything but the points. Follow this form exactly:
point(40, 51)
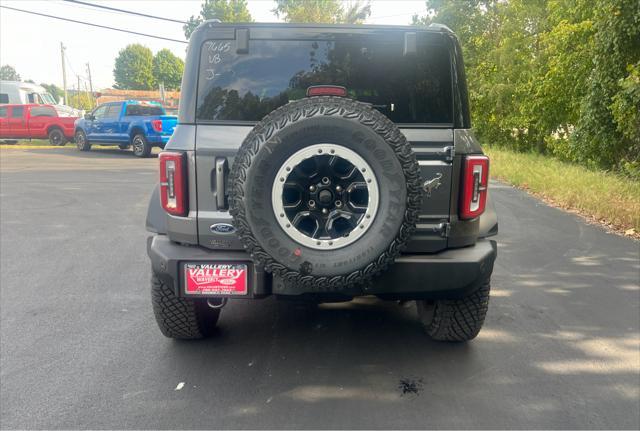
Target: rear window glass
point(4, 98)
point(144, 110)
point(17, 111)
point(43, 111)
point(412, 88)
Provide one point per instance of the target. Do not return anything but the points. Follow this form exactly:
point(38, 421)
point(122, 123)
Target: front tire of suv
point(458, 319)
point(140, 146)
point(81, 141)
point(181, 318)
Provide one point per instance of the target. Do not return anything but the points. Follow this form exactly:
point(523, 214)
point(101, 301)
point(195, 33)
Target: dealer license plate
point(215, 279)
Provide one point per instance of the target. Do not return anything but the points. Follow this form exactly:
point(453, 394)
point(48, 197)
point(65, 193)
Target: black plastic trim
point(167, 258)
point(449, 274)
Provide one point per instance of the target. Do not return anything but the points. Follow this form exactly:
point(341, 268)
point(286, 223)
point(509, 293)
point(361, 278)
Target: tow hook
point(213, 302)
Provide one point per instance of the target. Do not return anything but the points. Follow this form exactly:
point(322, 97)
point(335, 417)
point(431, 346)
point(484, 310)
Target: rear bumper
point(447, 275)
point(450, 274)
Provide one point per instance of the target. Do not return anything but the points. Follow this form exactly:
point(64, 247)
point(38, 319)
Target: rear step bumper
point(449, 274)
point(446, 275)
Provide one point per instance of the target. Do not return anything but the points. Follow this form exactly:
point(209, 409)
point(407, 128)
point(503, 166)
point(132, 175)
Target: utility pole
point(90, 83)
point(78, 91)
point(64, 74)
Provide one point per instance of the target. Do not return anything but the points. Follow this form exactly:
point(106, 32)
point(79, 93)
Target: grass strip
point(597, 195)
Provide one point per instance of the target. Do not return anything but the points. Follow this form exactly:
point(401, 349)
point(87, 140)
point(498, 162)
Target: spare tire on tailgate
point(325, 192)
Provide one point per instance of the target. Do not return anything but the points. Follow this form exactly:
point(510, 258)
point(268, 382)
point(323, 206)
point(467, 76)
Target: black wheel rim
point(327, 199)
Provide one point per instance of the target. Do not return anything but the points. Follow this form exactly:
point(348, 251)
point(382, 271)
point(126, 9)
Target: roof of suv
point(27, 105)
point(213, 23)
point(243, 33)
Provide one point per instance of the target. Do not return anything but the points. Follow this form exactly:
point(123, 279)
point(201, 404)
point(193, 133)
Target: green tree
point(557, 76)
point(8, 73)
point(601, 137)
point(134, 68)
point(626, 106)
point(224, 10)
point(312, 11)
point(356, 12)
point(501, 43)
point(80, 100)
point(322, 11)
point(167, 68)
point(54, 90)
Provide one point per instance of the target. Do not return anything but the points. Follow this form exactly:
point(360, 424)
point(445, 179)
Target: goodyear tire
point(458, 319)
point(181, 318)
point(351, 161)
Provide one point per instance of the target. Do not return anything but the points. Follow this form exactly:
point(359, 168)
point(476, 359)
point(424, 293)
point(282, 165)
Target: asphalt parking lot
point(79, 347)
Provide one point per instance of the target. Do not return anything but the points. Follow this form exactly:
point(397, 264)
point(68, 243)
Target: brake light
point(157, 125)
point(475, 180)
point(326, 90)
point(173, 183)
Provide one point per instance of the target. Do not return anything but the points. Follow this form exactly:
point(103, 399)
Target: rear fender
point(136, 128)
point(488, 219)
point(156, 216)
point(50, 127)
point(80, 127)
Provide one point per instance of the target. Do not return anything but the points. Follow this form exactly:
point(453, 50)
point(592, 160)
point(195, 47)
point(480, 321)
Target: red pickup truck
point(35, 122)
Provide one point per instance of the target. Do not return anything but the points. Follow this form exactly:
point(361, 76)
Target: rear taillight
point(157, 125)
point(475, 180)
point(173, 183)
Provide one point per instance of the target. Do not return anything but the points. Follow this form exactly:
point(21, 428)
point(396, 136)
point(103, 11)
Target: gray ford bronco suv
point(321, 163)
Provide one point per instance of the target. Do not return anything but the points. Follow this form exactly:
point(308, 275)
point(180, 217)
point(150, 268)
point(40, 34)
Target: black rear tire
point(140, 146)
point(82, 143)
point(458, 319)
point(181, 318)
point(57, 138)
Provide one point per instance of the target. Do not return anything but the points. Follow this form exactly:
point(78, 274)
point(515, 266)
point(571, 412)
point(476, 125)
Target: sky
point(31, 44)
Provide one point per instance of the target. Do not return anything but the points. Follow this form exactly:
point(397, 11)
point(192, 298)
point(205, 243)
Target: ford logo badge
point(222, 228)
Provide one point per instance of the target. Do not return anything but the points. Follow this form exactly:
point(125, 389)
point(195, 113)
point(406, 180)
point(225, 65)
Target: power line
point(68, 61)
point(125, 11)
point(80, 7)
point(93, 25)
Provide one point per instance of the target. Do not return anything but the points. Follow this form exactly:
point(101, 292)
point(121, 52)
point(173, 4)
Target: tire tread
point(460, 319)
point(181, 318)
point(298, 111)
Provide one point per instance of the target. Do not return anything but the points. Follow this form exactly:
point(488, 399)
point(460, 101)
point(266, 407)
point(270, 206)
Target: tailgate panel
point(220, 142)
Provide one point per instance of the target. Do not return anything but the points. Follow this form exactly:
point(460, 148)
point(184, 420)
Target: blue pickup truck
point(131, 123)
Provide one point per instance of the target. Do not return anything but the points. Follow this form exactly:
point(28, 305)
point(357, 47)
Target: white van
point(21, 93)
